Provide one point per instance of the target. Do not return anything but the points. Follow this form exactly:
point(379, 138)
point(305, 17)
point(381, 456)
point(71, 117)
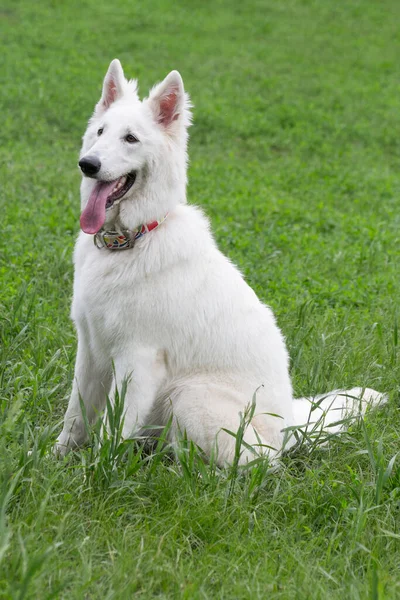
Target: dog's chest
point(115, 304)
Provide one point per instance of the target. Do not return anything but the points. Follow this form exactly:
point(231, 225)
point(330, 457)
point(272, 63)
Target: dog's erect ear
point(168, 100)
point(113, 86)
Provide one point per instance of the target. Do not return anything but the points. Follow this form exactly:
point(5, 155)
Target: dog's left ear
point(168, 101)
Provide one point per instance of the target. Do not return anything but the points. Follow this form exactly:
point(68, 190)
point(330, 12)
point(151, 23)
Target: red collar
point(123, 239)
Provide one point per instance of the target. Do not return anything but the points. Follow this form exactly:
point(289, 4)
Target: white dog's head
point(133, 157)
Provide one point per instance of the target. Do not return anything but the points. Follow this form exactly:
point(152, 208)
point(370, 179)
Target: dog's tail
point(320, 417)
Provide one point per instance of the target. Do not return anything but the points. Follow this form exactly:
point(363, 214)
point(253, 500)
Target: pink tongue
point(94, 214)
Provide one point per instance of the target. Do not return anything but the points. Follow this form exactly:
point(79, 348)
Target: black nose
point(90, 165)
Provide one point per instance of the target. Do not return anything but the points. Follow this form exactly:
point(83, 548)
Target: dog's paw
point(62, 446)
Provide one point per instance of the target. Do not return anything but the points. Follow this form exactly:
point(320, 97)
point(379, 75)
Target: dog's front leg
point(91, 385)
point(144, 371)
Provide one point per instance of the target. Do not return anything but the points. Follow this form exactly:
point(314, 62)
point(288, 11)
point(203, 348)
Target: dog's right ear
point(113, 86)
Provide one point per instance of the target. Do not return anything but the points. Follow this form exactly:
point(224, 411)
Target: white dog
point(157, 302)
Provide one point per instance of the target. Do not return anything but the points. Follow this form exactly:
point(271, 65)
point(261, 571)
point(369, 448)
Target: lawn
point(295, 158)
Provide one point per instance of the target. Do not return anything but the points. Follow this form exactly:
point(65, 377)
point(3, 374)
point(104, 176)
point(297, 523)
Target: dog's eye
point(100, 131)
point(131, 139)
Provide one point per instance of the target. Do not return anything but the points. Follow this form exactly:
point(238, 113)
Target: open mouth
point(103, 196)
point(122, 186)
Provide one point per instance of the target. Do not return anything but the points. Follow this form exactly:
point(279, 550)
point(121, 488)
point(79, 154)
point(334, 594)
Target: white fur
point(173, 313)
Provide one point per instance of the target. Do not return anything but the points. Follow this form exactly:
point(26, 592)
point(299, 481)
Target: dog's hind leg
point(211, 416)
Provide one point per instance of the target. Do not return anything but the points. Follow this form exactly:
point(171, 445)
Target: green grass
point(295, 158)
